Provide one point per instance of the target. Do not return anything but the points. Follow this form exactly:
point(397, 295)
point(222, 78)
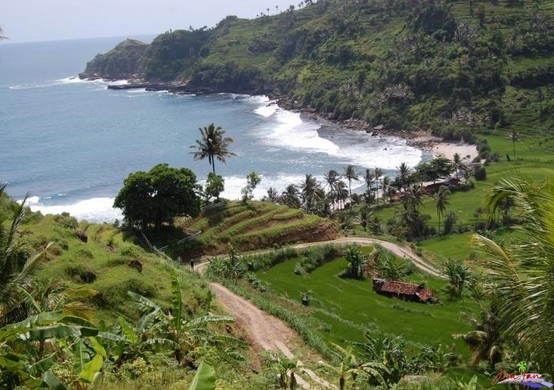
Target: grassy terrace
point(254, 225)
point(342, 309)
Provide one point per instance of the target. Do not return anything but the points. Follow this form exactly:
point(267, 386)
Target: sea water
point(71, 143)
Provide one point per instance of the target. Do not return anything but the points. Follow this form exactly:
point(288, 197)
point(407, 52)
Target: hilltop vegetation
point(451, 67)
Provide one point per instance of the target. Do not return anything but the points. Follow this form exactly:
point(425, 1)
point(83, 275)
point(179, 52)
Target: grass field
point(342, 309)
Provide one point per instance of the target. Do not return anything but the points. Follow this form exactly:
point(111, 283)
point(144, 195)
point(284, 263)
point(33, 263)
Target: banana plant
point(204, 378)
point(28, 350)
point(185, 335)
point(350, 367)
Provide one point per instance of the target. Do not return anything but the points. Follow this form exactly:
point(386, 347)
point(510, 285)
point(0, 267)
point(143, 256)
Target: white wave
point(259, 99)
point(288, 130)
point(291, 132)
point(382, 152)
point(36, 86)
point(69, 81)
point(92, 210)
point(267, 109)
point(234, 184)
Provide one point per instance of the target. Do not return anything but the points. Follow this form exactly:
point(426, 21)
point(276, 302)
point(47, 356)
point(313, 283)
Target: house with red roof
point(408, 291)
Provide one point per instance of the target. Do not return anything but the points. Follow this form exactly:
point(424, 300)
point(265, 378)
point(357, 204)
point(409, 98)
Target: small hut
point(408, 291)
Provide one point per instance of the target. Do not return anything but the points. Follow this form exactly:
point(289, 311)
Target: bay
point(71, 143)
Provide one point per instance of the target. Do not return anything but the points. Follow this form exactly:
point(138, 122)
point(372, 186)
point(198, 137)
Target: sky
point(50, 20)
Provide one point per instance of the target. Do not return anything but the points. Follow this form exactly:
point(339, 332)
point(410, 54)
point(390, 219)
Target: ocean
point(71, 143)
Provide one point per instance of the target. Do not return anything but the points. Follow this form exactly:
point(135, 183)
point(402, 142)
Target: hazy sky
point(46, 20)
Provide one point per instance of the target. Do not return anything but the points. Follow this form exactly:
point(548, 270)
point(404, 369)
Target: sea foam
point(92, 210)
point(291, 132)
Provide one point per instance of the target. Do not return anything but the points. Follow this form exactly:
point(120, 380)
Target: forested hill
point(452, 67)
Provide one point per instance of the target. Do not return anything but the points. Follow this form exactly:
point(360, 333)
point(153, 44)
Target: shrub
point(314, 258)
point(480, 173)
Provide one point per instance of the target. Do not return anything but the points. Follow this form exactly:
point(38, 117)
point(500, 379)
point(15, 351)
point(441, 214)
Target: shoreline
point(419, 139)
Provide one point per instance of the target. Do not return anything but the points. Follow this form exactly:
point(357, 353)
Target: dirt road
point(398, 250)
point(266, 332)
point(270, 333)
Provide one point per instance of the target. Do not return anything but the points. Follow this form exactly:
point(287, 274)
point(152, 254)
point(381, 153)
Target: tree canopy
point(158, 196)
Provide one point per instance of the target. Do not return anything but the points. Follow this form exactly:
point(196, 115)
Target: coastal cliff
point(122, 62)
point(454, 68)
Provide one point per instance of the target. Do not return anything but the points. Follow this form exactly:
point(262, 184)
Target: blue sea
point(71, 143)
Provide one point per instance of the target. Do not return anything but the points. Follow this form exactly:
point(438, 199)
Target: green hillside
point(455, 68)
point(250, 226)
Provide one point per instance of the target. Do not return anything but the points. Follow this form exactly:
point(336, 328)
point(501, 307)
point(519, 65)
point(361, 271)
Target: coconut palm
point(272, 195)
point(341, 193)
point(213, 145)
point(522, 272)
point(458, 165)
point(291, 197)
point(350, 174)
point(486, 340)
point(311, 192)
point(331, 178)
point(441, 200)
point(369, 177)
point(404, 172)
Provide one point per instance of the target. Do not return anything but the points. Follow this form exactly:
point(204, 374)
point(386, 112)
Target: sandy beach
point(438, 147)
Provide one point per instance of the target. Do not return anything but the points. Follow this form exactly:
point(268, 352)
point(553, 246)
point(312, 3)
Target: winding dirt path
point(266, 332)
point(270, 333)
point(398, 250)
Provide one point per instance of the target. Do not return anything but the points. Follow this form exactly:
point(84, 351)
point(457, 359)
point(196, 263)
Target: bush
point(314, 258)
point(480, 173)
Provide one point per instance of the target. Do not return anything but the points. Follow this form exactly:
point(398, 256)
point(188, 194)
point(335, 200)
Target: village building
point(408, 291)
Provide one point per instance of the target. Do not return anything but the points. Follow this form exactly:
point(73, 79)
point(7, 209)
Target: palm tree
point(213, 145)
point(522, 272)
point(272, 195)
point(341, 193)
point(291, 197)
point(378, 172)
point(386, 186)
point(410, 218)
point(486, 340)
point(331, 178)
point(311, 192)
point(441, 200)
point(369, 177)
point(457, 163)
point(403, 175)
point(350, 174)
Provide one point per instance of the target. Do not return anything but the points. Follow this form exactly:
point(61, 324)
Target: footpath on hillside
point(268, 333)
